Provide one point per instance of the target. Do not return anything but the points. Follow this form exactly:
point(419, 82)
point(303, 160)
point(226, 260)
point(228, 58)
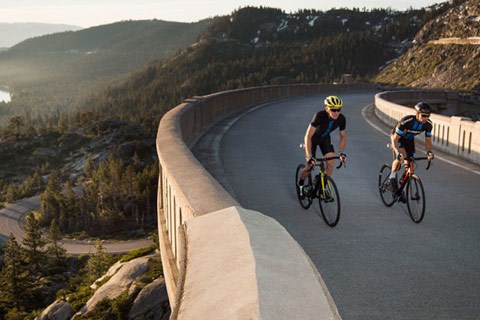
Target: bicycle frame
point(409, 171)
point(322, 187)
point(409, 191)
point(320, 177)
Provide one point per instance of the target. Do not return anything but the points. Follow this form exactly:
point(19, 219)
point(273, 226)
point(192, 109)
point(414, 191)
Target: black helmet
point(423, 107)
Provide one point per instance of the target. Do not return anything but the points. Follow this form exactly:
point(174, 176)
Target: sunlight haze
point(88, 13)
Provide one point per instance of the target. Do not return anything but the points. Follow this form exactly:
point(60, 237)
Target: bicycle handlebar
point(324, 159)
point(413, 159)
point(389, 146)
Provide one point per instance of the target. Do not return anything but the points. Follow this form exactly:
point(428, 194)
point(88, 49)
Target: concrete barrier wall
point(221, 261)
point(455, 135)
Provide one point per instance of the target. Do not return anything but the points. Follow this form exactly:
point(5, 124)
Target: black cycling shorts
point(325, 145)
point(408, 145)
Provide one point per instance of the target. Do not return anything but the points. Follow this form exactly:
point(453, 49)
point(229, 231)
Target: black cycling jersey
point(323, 124)
point(409, 127)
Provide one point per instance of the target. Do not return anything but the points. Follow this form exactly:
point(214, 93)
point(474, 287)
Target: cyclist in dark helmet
point(318, 134)
point(402, 137)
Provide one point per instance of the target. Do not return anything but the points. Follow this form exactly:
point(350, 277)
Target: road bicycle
point(409, 190)
point(321, 187)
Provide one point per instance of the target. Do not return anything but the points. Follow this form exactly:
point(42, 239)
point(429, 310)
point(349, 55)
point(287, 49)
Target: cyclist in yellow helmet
point(318, 134)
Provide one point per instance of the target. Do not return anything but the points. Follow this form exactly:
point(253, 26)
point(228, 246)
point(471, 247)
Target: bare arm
point(428, 147)
point(308, 141)
point(395, 140)
point(343, 141)
point(428, 144)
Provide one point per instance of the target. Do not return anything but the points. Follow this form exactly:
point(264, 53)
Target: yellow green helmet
point(333, 102)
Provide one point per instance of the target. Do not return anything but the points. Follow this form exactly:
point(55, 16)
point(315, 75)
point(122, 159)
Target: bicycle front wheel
point(415, 199)
point(329, 201)
point(304, 199)
point(388, 198)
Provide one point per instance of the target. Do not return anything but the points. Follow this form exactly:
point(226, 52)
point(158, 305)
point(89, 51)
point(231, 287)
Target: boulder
point(123, 280)
point(151, 302)
point(59, 310)
point(113, 269)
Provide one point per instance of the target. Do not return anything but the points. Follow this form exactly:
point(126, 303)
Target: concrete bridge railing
point(222, 261)
point(456, 135)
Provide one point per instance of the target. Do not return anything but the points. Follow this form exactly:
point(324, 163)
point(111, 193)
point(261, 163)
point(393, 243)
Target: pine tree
point(54, 184)
point(98, 263)
point(14, 279)
point(14, 126)
point(34, 242)
point(51, 200)
point(54, 237)
point(69, 210)
point(12, 193)
point(36, 180)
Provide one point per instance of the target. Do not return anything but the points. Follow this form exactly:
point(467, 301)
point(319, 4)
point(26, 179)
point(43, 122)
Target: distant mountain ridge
point(13, 33)
point(153, 36)
point(99, 52)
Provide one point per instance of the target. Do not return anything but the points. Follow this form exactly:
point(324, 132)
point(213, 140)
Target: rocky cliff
point(149, 301)
point(445, 53)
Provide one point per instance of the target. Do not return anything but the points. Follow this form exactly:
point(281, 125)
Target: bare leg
point(305, 171)
point(396, 163)
point(330, 163)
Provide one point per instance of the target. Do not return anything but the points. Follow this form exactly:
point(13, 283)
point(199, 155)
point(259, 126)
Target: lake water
point(4, 96)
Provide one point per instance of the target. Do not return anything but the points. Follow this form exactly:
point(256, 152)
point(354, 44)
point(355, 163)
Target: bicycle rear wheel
point(388, 197)
point(305, 200)
point(415, 199)
point(329, 201)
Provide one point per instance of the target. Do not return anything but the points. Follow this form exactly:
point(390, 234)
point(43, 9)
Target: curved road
point(11, 221)
point(377, 263)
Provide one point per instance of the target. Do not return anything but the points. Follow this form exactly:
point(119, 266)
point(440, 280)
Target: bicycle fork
point(325, 189)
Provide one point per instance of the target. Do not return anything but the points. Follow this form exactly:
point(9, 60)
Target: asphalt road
point(12, 218)
point(377, 263)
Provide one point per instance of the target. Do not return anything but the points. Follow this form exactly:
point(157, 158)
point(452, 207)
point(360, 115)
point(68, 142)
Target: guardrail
point(220, 260)
point(456, 135)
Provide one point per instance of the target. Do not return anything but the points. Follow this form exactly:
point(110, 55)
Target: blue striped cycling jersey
point(323, 124)
point(409, 127)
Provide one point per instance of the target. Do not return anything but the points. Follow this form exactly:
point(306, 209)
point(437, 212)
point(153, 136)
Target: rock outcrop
point(149, 301)
point(59, 310)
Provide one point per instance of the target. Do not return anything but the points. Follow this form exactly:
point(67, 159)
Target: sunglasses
point(335, 110)
point(425, 115)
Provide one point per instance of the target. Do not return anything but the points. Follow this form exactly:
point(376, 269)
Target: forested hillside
point(262, 46)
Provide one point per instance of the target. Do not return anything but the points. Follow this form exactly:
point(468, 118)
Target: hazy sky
point(87, 13)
